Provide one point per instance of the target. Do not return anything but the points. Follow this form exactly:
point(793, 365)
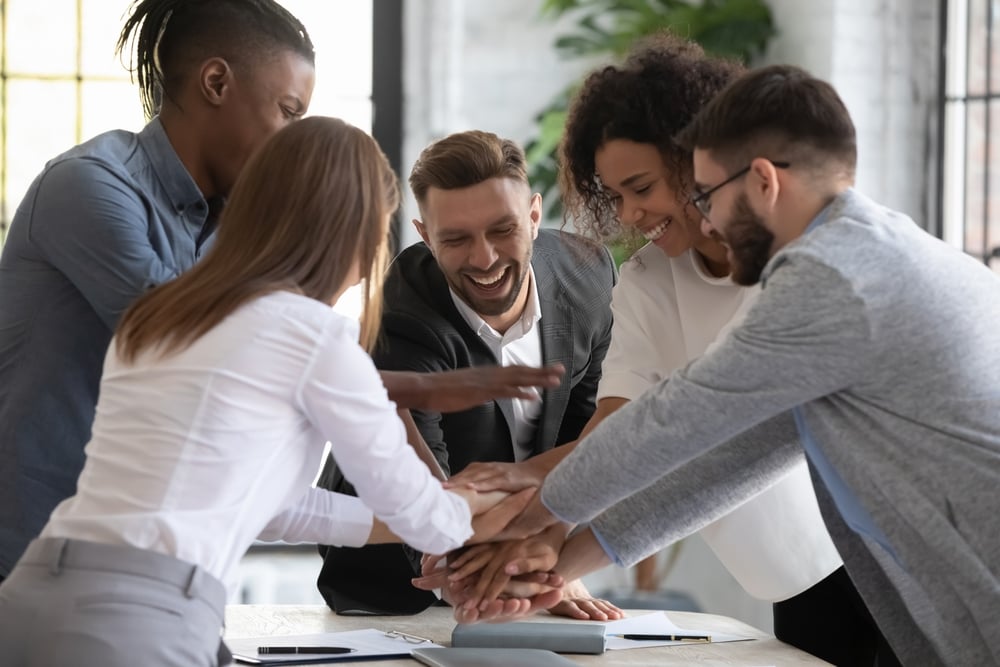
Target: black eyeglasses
point(701, 201)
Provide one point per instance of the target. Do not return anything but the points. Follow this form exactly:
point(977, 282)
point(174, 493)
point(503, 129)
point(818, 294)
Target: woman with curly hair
point(624, 176)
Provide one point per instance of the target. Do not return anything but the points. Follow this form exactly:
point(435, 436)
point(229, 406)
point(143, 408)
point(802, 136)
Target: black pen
point(286, 650)
point(668, 638)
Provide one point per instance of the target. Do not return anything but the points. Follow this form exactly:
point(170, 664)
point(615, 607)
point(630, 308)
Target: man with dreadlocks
point(124, 212)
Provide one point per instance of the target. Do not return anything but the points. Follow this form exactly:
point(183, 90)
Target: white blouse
point(199, 453)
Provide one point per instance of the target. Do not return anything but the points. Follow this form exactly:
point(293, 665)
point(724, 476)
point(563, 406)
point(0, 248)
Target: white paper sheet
point(656, 623)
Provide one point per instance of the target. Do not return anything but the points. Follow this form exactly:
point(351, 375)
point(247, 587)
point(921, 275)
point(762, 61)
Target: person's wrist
point(555, 535)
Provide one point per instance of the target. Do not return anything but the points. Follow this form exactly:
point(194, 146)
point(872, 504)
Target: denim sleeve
point(92, 225)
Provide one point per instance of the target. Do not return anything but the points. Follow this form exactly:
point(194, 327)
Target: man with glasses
point(880, 340)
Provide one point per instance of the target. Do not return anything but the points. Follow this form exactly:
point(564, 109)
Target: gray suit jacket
point(423, 331)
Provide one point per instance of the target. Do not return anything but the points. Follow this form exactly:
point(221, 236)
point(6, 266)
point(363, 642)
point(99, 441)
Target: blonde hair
point(311, 204)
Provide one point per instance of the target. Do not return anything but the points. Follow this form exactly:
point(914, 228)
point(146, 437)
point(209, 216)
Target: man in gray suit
point(486, 287)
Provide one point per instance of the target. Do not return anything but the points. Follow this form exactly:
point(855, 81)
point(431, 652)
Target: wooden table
point(436, 623)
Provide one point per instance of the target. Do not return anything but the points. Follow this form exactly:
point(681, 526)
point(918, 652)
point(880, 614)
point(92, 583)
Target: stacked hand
point(511, 578)
point(492, 511)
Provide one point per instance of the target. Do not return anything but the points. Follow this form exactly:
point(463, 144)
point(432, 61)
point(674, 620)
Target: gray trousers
point(69, 602)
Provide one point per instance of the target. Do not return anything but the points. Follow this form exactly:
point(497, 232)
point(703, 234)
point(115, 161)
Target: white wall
point(881, 55)
point(476, 65)
point(491, 66)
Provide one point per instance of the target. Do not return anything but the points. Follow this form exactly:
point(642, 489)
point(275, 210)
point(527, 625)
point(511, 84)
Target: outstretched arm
point(495, 475)
point(457, 390)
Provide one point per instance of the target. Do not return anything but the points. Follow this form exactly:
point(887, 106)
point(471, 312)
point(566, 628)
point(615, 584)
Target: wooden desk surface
point(436, 623)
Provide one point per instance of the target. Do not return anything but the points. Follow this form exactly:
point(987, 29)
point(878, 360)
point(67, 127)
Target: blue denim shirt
point(100, 225)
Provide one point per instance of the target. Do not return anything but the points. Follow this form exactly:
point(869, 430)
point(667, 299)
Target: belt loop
point(55, 565)
point(194, 582)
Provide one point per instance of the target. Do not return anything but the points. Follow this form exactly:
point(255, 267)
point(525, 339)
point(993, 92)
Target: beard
point(749, 241)
point(500, 303)
point(491, 307)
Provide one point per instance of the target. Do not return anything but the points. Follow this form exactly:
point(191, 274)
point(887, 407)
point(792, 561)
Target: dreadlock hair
point(663, 83)
point(171, 35)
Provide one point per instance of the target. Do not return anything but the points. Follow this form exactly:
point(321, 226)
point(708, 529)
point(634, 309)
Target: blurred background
point(920, 78)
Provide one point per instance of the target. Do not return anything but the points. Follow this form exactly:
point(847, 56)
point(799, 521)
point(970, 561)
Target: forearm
point(416, 440)
point(581, 555)
point(407, 389)
point(381, 534)
point(605, 407)
point(548, 460)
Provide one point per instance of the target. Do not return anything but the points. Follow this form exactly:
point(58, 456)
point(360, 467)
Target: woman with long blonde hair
point(218, 394)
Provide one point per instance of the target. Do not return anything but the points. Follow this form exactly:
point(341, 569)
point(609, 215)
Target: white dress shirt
point(197, 454)
point(520, 345)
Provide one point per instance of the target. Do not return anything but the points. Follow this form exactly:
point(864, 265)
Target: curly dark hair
point(662, 84)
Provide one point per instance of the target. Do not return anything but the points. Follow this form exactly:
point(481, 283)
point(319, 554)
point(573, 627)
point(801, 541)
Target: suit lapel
point(557, 332)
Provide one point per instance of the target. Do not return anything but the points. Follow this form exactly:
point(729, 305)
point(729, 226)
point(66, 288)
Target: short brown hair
point(464, 159)
point(780, 112)
point(313, 202)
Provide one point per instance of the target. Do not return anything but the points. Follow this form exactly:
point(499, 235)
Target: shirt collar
point(826, 211)
point(820, 218)
point(170, 171)
point(532, 312)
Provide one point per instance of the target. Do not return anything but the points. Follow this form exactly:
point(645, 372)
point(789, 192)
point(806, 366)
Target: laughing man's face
point(482, 238)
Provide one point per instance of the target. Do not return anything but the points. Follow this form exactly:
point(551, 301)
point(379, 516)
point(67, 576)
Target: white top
point(521, 345)
point(668, 312)
point(197, 454)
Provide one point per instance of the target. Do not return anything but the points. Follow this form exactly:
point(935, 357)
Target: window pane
point(342, 33)
point(993, 204)
point(32, 49)
point(110, 105)
point(953, 187)
point(102, 21)
point(41, 123)
point(357, 111)
point(974, 173)
point(977, 47)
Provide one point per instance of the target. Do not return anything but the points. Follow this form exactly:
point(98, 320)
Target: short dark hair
point(169, 35)
point(780, 112)
point(464, 159)
point(656, 92)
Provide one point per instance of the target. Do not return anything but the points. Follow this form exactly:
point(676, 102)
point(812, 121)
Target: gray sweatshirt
point(888, 341)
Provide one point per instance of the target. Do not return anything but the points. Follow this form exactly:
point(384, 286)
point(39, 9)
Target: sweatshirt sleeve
point(805, 338)
point(699, 492)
